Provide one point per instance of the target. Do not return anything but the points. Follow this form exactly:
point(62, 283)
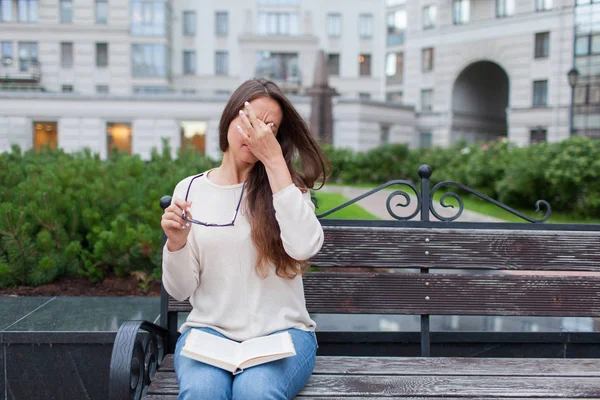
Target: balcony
point(21, 71)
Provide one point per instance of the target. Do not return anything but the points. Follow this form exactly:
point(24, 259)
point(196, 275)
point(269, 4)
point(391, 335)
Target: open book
point(232, 356)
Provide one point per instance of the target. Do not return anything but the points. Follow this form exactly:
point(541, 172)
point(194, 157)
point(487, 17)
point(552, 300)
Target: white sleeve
point(301, 231)
point(181, 269)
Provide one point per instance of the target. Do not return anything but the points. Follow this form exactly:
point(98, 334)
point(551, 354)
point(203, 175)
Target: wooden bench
point(492, 269)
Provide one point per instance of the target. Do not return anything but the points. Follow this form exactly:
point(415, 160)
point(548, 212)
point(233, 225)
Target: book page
point(206, 347)
point(270, 347)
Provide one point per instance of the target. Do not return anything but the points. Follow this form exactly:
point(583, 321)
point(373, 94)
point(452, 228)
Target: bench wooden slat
point(446, 294)
point(174, 397)
point(404, 247)
point(447, 366)
point(429, 385)
point(482, 386)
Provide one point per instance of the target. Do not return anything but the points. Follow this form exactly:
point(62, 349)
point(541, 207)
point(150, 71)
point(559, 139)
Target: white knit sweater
point(215, 268)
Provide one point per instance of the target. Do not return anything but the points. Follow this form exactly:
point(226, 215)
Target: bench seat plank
point(443, 377)
point(580, 367)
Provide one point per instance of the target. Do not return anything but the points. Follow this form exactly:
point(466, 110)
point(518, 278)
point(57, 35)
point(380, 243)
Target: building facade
point(479, 69)
point(126, 73)
point(86, 60)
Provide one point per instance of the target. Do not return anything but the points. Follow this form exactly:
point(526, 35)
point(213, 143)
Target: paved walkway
point(376, 204)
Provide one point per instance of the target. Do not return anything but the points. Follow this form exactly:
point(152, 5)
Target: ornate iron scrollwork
point(389, 202)
point(425, 173)
point(461, 205)
point(138, 351)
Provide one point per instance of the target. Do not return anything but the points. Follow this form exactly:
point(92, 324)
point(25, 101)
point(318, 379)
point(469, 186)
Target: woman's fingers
point(256, 123)
point(243, 133)
point(246, 125)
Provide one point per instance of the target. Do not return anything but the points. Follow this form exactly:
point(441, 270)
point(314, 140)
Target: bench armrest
point(138, 351)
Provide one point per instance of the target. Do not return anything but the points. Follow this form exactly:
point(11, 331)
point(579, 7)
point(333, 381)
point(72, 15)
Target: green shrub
point(64, 214)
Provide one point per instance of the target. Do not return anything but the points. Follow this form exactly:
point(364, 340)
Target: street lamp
point(573, 75)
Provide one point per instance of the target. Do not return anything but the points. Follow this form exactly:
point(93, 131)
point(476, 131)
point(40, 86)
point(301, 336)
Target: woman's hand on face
point(259, 136)
point(176, 228)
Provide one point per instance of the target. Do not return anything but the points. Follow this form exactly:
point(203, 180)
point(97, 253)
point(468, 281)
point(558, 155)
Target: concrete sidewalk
point(376, 204)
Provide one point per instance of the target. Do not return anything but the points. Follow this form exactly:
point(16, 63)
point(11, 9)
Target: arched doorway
point(479, 103)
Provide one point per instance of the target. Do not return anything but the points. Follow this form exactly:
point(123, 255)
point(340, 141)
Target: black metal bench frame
point(383, 247)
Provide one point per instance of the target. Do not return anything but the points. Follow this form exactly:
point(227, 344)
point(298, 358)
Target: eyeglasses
point(194, 221)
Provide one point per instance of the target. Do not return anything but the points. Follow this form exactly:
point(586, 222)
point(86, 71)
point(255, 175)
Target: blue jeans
point(280, 379)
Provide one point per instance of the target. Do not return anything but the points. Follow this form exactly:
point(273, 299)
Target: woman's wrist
point(279, 175)
point(174, 246)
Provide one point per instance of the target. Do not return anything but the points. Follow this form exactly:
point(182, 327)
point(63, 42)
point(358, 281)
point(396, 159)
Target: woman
point(240, 257)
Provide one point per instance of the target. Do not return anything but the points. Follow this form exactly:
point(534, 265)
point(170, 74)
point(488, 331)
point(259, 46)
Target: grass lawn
point(476, 204)
point(327, 201)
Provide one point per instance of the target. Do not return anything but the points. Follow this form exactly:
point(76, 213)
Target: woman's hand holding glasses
point(175, 227)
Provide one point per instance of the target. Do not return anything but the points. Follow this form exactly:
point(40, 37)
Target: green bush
point(73, 214)
point(66, 214)
point(566, 174)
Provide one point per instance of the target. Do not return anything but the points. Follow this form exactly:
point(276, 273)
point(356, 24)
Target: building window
point(66, 11)
point(461, 11)
point(427, 59)
point(334, 24)
point(148, 18)
point(278, 66)
point(27, 10)
point(102, 54)
point(586, 45)
point(66, 55)
point(543, 5)
point(279, 3)
point(221, 23)
point(189, 23)
point(333, 64)
point(150, 89)
point(149, 60)
point(426, 100)
point(222, 63)
point(102, 89)
point(542, 44)
point(538, 135)
point(364, 95)
point(429, 16)
point(394, 67)
point(396, 24)
point(384, 134)
point(189, 62)
point(426, 140)
point(6, 10)
point(505, 8)
point(394, 97)
point(193, 135)
point(118, 137)
point(364, 62)
point(587, 94)
point(365, 26)
point(7, 53)
point(540, 93)
point(278, 23)
point(28, 53)
point(102, 12)
point(67, 88)
point(45, 135)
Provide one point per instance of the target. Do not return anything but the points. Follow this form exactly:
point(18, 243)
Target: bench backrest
point(447, 268)
point(491, 271)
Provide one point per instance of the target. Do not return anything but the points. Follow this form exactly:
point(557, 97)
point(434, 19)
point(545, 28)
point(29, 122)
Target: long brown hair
point(296, 140)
